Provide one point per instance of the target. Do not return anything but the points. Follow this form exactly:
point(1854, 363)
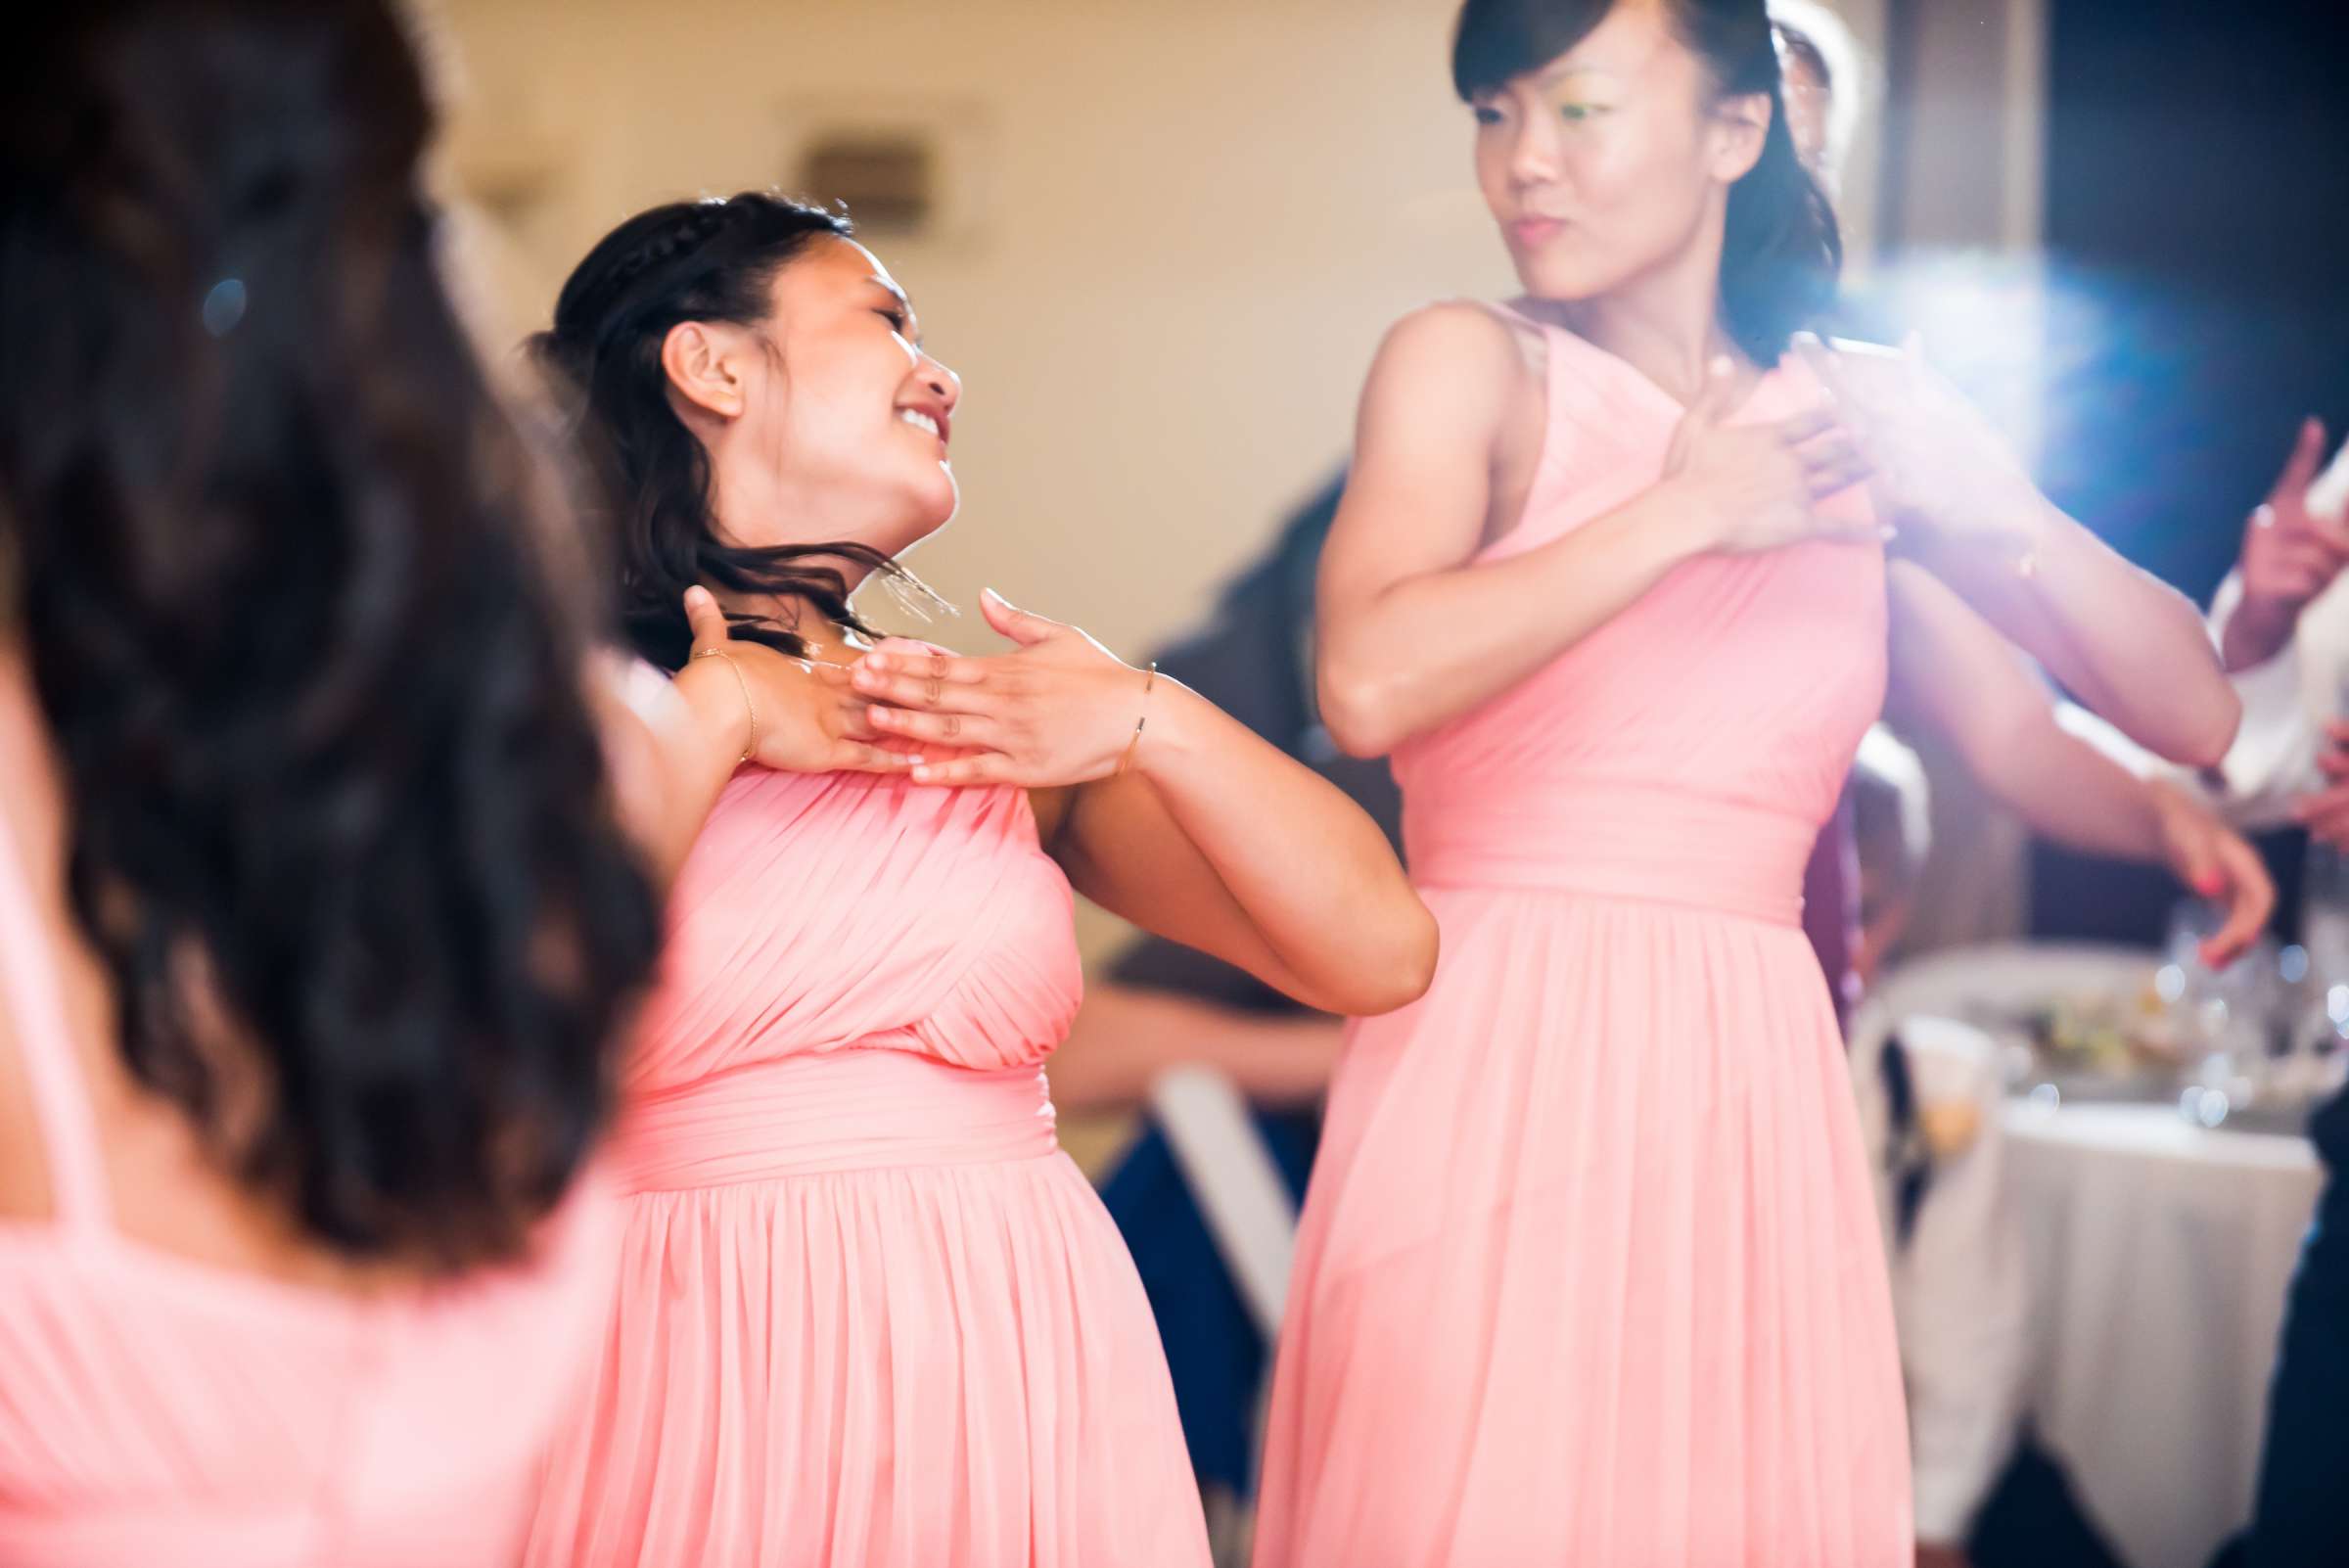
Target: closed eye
point(899, 322)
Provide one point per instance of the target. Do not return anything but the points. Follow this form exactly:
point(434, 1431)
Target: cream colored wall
point(1178, 229)
point(1197, 217)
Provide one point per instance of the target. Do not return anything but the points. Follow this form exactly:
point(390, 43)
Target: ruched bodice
point(868, 1314)
point(1705, 780)
point(821, 912)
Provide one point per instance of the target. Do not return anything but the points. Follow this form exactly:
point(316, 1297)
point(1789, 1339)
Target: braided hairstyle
point(341, 824)
point(708, 261)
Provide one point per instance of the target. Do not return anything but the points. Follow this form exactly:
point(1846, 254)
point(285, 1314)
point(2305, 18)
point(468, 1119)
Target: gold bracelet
point(750, 742)
point(1127, 762)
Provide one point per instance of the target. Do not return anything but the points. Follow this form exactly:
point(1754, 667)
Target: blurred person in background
point(2281, 622)
point(1929, 1096)
point(1162, 1005)
point(1827, 87)
point(332, 830)
point(1930, 1092)
point(2282, 619)
point(316, 916)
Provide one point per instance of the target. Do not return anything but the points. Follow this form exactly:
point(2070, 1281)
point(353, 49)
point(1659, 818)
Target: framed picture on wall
point(909, 171)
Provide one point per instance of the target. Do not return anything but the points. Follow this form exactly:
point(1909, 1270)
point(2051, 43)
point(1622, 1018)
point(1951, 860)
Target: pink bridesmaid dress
point(158, 1411)
point(870, 1315)
point(1588, 1269)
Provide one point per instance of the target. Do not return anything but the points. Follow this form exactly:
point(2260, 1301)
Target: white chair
point(1230, 1172)
point(1246, 1205)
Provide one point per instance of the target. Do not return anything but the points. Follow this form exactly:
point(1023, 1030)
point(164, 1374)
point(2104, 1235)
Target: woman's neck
point(1676, 351)
point(1665, 323)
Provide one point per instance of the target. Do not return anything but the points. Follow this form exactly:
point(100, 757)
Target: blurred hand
point(2325, 813)
point(807, 718)
point(1756, 488)
point(2289, 557)
point(1942, 469)
point(1931, 1556)
point(2220, 865)
point(1059, 708)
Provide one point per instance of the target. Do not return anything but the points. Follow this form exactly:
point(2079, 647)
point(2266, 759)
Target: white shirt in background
point(2288, 701)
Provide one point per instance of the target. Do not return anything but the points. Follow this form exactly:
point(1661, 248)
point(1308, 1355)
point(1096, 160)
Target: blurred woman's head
point(753, 384)
point(338, 821)
point(1824, 85)
point(1621, 141)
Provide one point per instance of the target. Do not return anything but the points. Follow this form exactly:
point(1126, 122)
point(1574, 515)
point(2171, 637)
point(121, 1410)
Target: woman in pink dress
point(1588, 1272)
point(315, 919)
point(868, 1314)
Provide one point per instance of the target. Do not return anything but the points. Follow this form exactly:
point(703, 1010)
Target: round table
point(2159, 1252)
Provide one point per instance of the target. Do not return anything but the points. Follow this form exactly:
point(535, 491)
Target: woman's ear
point(702, 369)
point(1741, 128)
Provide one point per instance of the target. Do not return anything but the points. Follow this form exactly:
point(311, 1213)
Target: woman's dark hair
point(341, 823)
point(1783, 251)
point(709, 260)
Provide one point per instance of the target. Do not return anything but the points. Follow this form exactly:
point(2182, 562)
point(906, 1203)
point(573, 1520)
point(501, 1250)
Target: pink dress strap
point(1509, 315)
point(1554, 363)
point(35, 1003)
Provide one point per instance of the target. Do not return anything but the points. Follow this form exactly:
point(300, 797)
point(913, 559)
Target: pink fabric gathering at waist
point(1608, 840)
point(832, 1111)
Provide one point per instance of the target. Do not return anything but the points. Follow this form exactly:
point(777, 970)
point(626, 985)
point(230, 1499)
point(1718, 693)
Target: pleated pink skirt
point(1590, 1272)
point(870, 1316)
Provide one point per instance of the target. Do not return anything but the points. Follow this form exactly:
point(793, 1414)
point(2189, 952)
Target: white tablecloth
point(2159, 1257)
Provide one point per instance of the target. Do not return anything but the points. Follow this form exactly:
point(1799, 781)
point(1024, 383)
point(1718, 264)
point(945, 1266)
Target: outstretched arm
point(1954, 673)
point(1125, 1036)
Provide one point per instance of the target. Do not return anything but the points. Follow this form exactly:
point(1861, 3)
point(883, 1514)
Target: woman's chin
point(942, 500)
point(1549, 275)
point(929, 507)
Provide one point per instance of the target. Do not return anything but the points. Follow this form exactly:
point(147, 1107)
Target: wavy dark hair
point(1782, 252)
point(707, 260)
point(341, 823)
